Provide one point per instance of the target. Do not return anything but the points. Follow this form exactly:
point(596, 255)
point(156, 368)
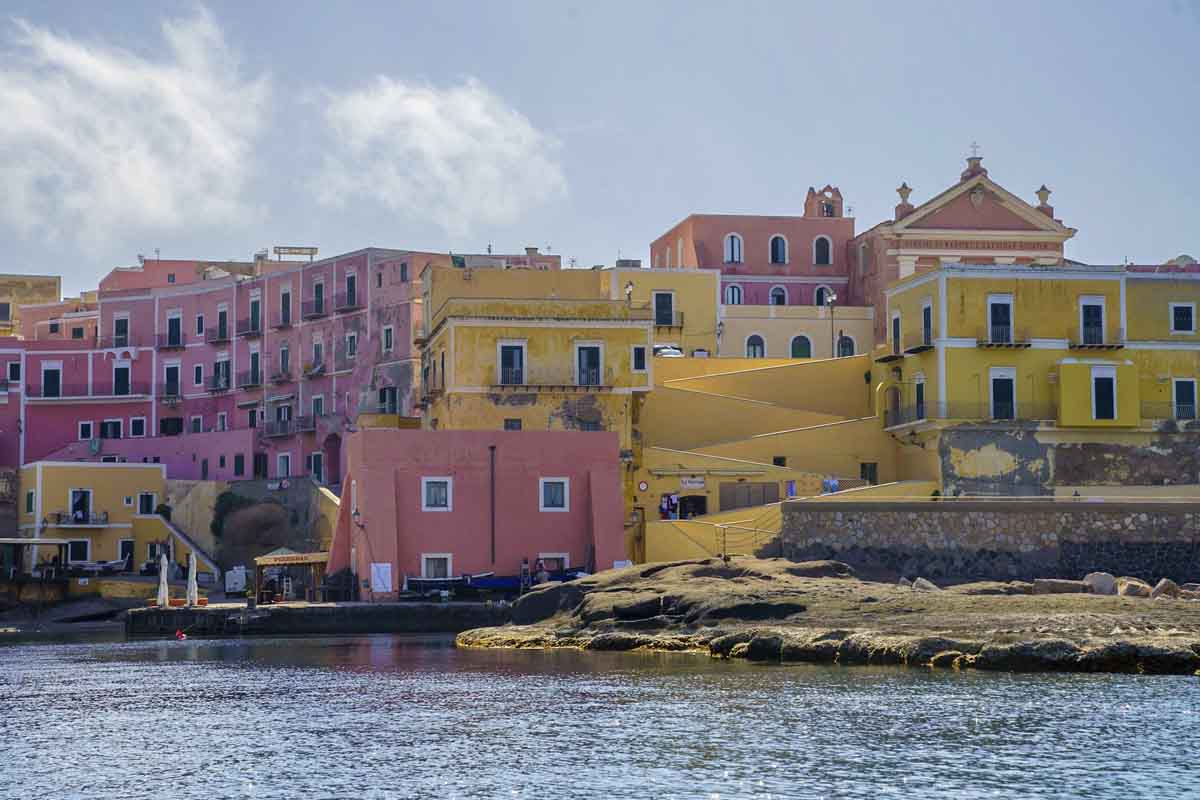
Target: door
point(920, 397)
point(387, 400)
point(285, 360)
point(175, 331)
point(125, 553)
point(255, 315)
point(1003, 398)
point(254, 366)
point(589, 365)
point(1185, 399)
point(260, 466)
point(145, 503)
point(1104, 392)
point(318, 467)
point(743, 494)
point(319, 297)
point(121, 380)
point(512, 365)
point(664, 308)
point(285, 308)
point(120, 332)
point(1000, 315)
point(895, 335)
point(927, 326)
point(351, 290)
point(222, 324)
point(81, 505)
point(51, 383)
point(1093, 324)
point(869, 472)
point(692, 505)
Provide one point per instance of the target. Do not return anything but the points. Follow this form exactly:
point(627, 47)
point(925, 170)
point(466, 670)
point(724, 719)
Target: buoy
point(180, 635)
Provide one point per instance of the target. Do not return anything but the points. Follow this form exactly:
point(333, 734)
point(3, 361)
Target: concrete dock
point(298, 618)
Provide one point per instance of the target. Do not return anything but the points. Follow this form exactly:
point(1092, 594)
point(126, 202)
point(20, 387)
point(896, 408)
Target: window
point(52, 380)
point(1183, 317)
point(801, 347)
point(170, 426)
point(221, 461)
point(318, 405)
point(29, 502)
point(436, 565)
point(198, 375)
point(822, 296)
point(14, 371)
point(778, 250)
point(512, 363)
point(125, 552)
point(1000, 318)
point(733, 249)
point(316, 466)
point(639, 358)
point(137, 427)
point(590, 425)
point(318, 354)
point(197, 424)
point(1185, 398)
point(389, 400)
point(862, 258)
point(379, 279)
point(110, 429)
point(927, 324)
point(85, 431)
point(156, 549)
point(1104, 393)
point(283, 465)
point(252, 418)
point(110, 459)
point(170, 277)
point(199, 324)
point(145, 503)
point(404, 272)
point(285, 307)
point(5, 312)
point(779, 461)
point(437, 494)
point(351, 290)
point(664, 308)
point(733, 295)
point(222, 421)
point(845, 346)
point(1091, 320)
point(822, 251)
point(778, 296)
point(318, 297)
point(121, 380)
point(895, 334)
point(129, 501)
point(755, 347)
point(1004, 400)
point(388, 335)
point(554, 494)
point(920, 398)
point(54, 327)
point(79, 550)
point(588, 360)
point(239, 464)
point(512, 424)
point(351, 345)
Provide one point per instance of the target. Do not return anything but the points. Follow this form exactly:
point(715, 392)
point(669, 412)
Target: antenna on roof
point(489, 248)
point(157, 256)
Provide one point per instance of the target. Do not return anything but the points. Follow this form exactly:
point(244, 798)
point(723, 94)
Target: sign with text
point(691, 482)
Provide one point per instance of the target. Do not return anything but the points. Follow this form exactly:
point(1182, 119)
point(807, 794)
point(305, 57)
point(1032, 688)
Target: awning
point(48, 542)
point(291, 559)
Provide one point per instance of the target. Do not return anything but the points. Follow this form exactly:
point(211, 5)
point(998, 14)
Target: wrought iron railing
point(217, 334)
point(249, 379)
point(274, 428)
point(282, 319)
point(315, 308)
point(217, 383)
point(990, 412)
point(249, 327)
point(346, 301)
point(1166, 410)
point(171, 341)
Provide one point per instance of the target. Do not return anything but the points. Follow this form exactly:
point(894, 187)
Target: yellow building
point(105, 510)
point(1019, 378)
point(19, 290)
point(753, 331)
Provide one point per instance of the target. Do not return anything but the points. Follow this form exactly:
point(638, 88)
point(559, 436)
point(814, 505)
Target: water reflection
point(406, 717)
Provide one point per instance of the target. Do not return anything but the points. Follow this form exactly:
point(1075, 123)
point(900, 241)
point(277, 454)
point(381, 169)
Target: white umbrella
point(163, 594)
point(193, 591)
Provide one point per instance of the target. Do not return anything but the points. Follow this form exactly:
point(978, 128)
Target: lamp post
point(830, 299)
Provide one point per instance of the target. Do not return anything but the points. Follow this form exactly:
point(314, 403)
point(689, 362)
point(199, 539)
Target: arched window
point(778, 296)
point(822, 251)
point(801, 347)
point(778, 250)
point(821, 296)
point(679, 253)
point(845, 346)
point(755, 347)
point(733, 295)
point(668, 265)
point(733, 249)
point(862, 258)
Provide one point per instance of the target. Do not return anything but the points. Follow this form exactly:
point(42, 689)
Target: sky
point(210, 131)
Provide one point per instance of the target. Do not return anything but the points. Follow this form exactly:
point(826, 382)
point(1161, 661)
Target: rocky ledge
point(773, 610)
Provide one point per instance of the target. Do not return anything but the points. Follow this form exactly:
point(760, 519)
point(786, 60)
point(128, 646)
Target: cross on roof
point(975, 149)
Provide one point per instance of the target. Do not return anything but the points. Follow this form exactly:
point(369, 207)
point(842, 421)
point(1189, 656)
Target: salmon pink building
point(441, 504)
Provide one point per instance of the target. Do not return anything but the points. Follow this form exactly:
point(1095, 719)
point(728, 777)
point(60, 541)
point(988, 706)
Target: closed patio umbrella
point(193, 591)
point(163, 594)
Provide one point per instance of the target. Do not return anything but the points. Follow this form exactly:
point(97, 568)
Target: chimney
point(1043, 196)
point(904, 208)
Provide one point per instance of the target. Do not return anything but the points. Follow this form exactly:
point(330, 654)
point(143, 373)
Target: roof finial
point(904, 191)
point(974, 149)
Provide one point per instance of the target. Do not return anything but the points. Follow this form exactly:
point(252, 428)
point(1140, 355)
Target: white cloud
point(459, 156)
point(96, 139)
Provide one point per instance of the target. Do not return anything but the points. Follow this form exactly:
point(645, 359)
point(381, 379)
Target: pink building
point(448, 503)
point(768, 260)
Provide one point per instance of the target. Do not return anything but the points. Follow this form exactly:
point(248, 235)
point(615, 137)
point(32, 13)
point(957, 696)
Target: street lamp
point(830, 299)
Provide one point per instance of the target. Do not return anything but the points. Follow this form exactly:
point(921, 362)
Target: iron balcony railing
point(171, 341)
point(124, 390)
point(119, 340)
point(315, 308)
point(1002, 336)
point(249, 327)
point(217, 383)
point(282, 319)
point(217, 334)
point(918, 341)
point(374, 405)
point(1166, 410)
point(983, 412)
point(672, 320)
point(274, 428)
point(512, 376)
point(80, 390)
point(314, 368)
point(346, 301)
point(170, 391)
point(249, 379)
point(526, 376)
point(77, 518)
point(306, 422)
point(1095, 336)
point(281, 375)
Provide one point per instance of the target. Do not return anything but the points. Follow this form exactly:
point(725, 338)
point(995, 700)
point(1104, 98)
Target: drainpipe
point(492, 490)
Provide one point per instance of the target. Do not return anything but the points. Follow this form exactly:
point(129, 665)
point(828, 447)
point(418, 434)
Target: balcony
point(526, 379)
point(976, 412)
point(918, 341)
point(250, 328)
point(169, 341)
point(673, 320)
point(1003, 337)
point(281, 319)
point(77, 519)
point(217, 335)
point(348, 301)
point(1164, 411)
point(251, 379)
point(893, 353)
point(72, 391)
point(314, 369)
point(170, 393)
point(278, 428)
point(281, 375)
point(118, 341)
point(217, 383)
point(306, 423)
point(311, 309)
point(1093, 337)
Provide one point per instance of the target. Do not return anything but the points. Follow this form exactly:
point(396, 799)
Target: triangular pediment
point(979, 204)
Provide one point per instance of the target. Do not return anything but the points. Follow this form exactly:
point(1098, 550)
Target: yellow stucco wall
point(778, 325)
point(328, 506)
point(1075, 396)
point(744, 531)
point(696, 297)
point(683, 419)
point(1041, 308)
point(18, 290)
point(834, 386)
point(1148, 307)
point(192, 504)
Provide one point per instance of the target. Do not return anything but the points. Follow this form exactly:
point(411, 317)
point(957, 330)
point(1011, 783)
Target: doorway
point(692, 505)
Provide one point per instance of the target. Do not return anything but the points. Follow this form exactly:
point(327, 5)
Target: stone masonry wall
point(996, 540)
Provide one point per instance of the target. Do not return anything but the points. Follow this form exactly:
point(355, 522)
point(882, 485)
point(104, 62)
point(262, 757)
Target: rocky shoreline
point(773, 610)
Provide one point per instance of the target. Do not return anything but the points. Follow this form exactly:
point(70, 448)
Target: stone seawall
point(996, 539)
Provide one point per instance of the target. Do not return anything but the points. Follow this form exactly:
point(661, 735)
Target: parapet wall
point(997, 539)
